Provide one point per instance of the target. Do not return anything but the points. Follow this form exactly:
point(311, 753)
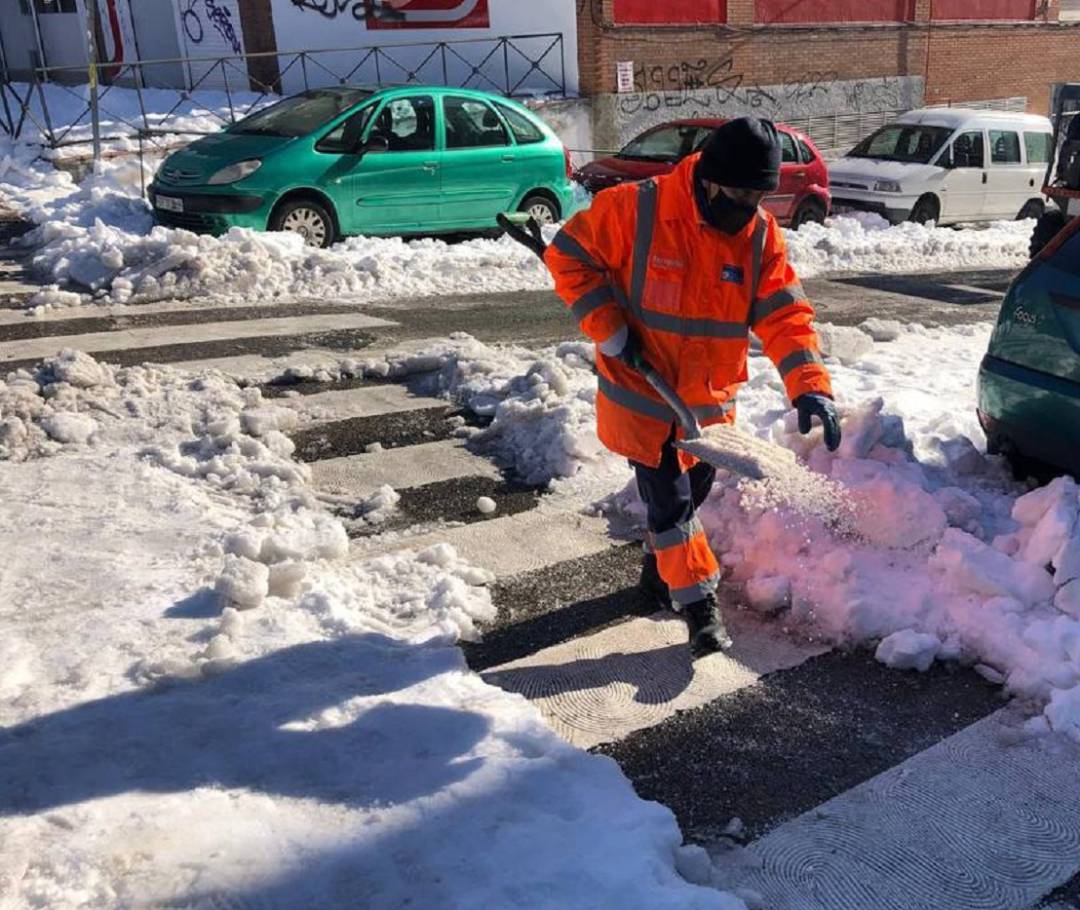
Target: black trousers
point(671, 496)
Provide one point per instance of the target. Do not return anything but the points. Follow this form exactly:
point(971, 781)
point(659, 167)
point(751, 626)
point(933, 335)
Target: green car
point(1029, 380)
point(332, 162)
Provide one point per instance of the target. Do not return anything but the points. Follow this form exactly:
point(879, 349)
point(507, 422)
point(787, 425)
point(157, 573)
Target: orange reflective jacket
point(642, 256)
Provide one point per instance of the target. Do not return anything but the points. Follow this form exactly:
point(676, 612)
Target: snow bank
point(121, 113)
point(942, 558)
point(97, 239)
point(872, 245)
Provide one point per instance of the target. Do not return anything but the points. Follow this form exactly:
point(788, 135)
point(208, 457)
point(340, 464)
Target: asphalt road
point(539, 317)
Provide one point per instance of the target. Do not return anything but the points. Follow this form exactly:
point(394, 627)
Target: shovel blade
point(730, 449)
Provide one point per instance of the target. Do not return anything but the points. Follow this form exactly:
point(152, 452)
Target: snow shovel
point(722, 446)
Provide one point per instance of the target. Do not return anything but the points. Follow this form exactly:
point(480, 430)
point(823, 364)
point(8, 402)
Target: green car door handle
point(507, 157)
point(430, 166)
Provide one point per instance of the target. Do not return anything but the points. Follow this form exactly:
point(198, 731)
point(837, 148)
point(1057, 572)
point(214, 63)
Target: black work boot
point(651, 584)
point(707, 631)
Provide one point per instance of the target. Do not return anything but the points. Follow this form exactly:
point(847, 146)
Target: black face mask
point(729, 216)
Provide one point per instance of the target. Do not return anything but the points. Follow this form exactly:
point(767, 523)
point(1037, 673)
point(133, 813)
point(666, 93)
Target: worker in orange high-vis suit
point(675, 272)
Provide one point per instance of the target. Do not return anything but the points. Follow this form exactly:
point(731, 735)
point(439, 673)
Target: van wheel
point(925, 209)
point(1033, 208)
point(307, 218)
point(808, 210)
point(1046, 229)
point(541, 208)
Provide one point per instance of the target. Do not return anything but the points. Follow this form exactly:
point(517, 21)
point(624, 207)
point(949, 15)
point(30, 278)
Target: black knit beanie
point(743, 153)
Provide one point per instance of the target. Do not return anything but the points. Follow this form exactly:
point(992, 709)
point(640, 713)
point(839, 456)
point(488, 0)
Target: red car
point(803, 194)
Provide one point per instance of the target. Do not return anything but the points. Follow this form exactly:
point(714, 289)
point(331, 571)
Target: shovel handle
point(533, 239)
point(690, 425)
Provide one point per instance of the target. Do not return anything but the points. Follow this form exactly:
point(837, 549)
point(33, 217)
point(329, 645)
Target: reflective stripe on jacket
point(642, 256)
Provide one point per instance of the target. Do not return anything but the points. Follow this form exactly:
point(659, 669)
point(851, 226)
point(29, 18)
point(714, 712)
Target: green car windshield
point(300, 114)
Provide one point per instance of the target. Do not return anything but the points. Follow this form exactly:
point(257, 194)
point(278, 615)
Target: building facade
point(837, 68)
point(187, 39)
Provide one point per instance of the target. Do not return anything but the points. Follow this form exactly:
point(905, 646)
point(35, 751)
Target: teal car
point(333, 162)
point(1029, 380)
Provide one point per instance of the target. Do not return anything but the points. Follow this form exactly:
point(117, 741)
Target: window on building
point(524, 130)
point(55, 6)
point(472, 124)
point(1004, 147)
point(807, 12)
point(685, 12)
point(984, 9)
point(1037, 146)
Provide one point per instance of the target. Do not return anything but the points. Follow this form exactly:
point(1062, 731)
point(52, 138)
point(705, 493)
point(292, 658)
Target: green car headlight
point(887, 186)
point(235, 172)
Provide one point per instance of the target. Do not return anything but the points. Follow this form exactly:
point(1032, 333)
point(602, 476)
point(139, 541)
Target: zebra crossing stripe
point(367, 401)
point(409, 466)
point(601, 687)
point(122, 339)
point(511, 544)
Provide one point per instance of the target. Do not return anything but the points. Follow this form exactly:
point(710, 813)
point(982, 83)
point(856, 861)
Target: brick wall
point(961, 61)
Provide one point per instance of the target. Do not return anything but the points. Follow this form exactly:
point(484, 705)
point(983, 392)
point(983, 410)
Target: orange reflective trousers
point(642, 258)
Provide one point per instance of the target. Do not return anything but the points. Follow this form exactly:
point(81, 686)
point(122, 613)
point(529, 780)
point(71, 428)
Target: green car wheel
point(542, 209)
point(307, 218)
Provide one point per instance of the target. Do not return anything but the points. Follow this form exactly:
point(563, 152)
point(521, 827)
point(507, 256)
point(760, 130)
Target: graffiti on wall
point(331, 9)
point(704, 88)
point(199, 16)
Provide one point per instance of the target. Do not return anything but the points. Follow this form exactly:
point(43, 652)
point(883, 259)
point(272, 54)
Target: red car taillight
point(569, 166)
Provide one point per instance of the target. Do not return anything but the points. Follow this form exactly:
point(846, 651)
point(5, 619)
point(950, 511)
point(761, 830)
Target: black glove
point(814, 404)
point(632, 353)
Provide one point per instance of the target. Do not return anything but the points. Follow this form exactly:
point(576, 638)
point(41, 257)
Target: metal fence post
point(506, 63)
point(91, 49)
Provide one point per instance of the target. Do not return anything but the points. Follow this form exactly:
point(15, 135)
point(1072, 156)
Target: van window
point(966, 151)
point(805, 155)
point(1037, 146)
point(787, 149)
point(1004, 147)
point(912, 142)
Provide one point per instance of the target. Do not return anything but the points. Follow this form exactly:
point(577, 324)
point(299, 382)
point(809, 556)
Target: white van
point(947, 165)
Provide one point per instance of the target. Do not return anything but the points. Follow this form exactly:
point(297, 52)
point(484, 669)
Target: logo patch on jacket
point(732, 273)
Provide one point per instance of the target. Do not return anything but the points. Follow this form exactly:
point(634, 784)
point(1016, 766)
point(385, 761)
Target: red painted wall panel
point(634, 12)
point(983, 9)
point(811, 11)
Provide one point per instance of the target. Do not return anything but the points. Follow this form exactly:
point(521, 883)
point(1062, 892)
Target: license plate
point(842, 209)
point(169, 203)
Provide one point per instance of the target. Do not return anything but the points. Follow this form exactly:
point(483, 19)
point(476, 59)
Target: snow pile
point(940, 559)
point(541, 406)
point(286, 726)
point(871, 244)
point(163, 263)
point(121, 113)
point(97, 240)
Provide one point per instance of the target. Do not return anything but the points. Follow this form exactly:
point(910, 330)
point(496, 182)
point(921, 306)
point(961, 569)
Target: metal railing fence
point(514, 65)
